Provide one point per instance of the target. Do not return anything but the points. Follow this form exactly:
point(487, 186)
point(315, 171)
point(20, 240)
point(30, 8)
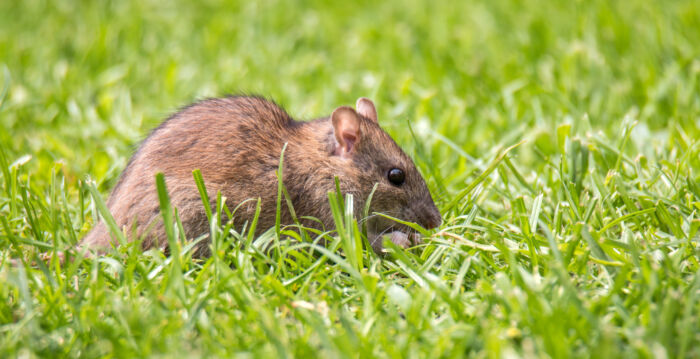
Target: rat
point(236, 143)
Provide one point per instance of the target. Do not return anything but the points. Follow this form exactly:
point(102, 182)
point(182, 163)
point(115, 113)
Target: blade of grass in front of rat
point(354, 241)
point(290, 206)
point(282, 191)
point(105, 213)
point(365, 218)
point(199, 180)
point(184, 247)
point(175, 280)
point(278, 214)
point(359, 239)
point(338, 192)
point(253, 224)
point(368, 202)
point(215, 232)
point(341, 227)
point(336, 212)
point(166, 211)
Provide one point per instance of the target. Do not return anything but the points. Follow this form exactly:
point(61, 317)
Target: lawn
point(560, 140)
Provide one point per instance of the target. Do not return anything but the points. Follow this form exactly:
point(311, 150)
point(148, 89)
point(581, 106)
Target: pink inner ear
point(349, 141)
point(346, 127)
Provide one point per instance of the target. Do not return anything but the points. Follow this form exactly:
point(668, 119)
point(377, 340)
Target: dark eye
point(396, 176)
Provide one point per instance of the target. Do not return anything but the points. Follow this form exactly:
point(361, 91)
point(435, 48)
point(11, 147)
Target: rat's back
point(230, 140)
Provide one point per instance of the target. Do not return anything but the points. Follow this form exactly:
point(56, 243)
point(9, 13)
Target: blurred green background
point(88, 79)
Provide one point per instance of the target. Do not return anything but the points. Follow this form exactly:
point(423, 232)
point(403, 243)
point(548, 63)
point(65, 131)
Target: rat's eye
point(396, 176)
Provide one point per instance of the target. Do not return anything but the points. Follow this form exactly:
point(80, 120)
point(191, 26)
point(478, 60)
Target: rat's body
point(236, 142)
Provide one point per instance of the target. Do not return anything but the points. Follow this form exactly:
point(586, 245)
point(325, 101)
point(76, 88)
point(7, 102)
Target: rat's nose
point(431, 218)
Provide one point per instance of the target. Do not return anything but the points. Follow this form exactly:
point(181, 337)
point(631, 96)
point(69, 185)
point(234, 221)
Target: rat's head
point(370, 156)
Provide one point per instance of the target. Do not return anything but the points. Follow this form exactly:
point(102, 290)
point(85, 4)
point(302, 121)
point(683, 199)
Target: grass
point(582, 241)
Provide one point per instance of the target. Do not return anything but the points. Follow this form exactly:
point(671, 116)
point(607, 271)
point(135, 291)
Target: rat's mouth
point(399, 234)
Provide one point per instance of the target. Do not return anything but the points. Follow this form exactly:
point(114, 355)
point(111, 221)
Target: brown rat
point(236, 142)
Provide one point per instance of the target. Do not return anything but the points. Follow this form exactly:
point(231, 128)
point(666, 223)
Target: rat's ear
point(365, 107)
point(346, 128)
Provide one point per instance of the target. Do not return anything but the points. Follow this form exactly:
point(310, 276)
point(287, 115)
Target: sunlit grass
point(560, 141)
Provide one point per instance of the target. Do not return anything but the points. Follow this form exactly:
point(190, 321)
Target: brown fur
point(236, 142)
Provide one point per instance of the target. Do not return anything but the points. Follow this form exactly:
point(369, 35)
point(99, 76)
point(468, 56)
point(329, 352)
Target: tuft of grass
point(560, 141)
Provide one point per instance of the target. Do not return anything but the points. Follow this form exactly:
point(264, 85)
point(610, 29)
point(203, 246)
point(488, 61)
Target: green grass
point(580, 242)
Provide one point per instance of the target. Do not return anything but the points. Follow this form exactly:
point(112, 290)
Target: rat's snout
point(429, 217)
